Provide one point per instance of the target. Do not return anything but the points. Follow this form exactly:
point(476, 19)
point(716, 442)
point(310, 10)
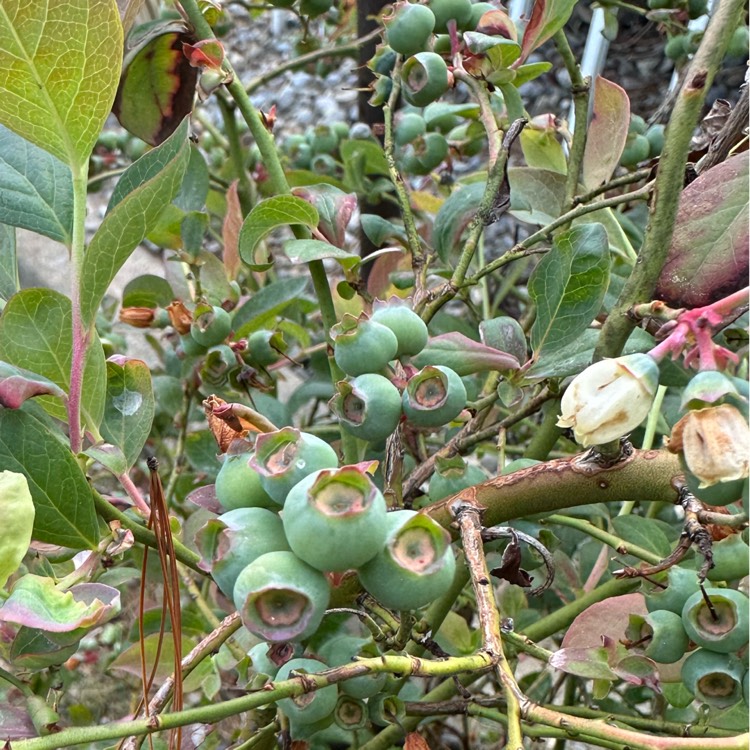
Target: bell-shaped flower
point(714, 443)
point(610, 398)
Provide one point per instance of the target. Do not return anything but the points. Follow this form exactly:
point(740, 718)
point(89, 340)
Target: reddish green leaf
point(17, 385)
point(547, 17)
point(609, 617)
point(463, 355)
point(35, 602)
point(157, 88)
point(708, 258)
point(607, 132)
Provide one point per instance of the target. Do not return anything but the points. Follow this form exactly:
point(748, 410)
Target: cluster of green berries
point(421, 34)
point(317, 149)
point(368, 404)
point(683, 616)
point(643, 142)
point(292, 517)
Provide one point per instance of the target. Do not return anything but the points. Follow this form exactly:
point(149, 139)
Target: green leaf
point(129, 409)
point(59, 67)
point(138, 200)
point(454, 216)
point(270, 214)
point(530, 71)
point(590, 663)
point(568, 287)
point(157, 88)
point(547, 17)
point(708, 258)
point(542, 150)
point(304, 251)
point(9, 283)
point(576, 357)
point(18, 521)
point(267, 304)
point(110, 457)
point(642, 532)
point(378, 229)
point(36, 334)
point(129, 660)
point(37, 189)
point(147, 291)
point(194, 189)
point(536, 195)
point(608, 129)
point(61, 493)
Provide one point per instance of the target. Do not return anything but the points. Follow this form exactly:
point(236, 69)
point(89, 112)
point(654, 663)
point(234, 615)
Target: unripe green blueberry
point(415, 566)
point(342, 650)
point(424, 78)
point(211, 325)
point(335, 519)
point(655, 138)
point(714, 679)
point(261, 663)
point(368, 407)
point(738, 45)
point(361, 345)
point(264, 347)
point(381, 90)
point(450, 10)
point(637, 125)
point(308, 707)
point(408, 30)
point(323, 164)
point(697, 8)
point(426, 153)
point(190, 347)
point(681, 585)
point(350, 713)
point(410, 329)
point(287, 456)
point(280, 597)
point(409, 127)
point(724, 626)
point(232, 541)
point(238, 484)
point(454, 478)
point(386, 709)
point(434, 396)
point(636, 150)
point(323, 139)
point(677, 47)
point(664, 638)
point(731, 559)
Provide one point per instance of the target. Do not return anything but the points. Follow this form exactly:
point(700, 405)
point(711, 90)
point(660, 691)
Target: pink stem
point(80, 344)
point(134, 494)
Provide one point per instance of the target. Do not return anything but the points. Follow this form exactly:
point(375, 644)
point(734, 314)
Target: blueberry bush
point(483, 486)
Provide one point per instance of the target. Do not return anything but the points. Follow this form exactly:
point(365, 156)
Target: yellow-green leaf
point(59, 67)
point(17, 510)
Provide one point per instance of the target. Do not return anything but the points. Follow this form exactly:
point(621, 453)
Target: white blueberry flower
point(610, 398)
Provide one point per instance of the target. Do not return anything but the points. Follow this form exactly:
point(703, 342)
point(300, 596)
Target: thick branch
point(566, 483)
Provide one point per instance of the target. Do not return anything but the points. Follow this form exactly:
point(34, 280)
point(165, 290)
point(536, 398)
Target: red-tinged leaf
point(590, 663)
point(547, 17)
point(607, 618)
point(36, 603)
point(208, 53)
point(157, 88)
point(708, 258)
point(463, 355)
point(334, 207)
point(497, 23)
point(15, 723)
point(608, 130)
point(638, 670)
point(415, 741)
point(230, 233)
point(17, 385)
